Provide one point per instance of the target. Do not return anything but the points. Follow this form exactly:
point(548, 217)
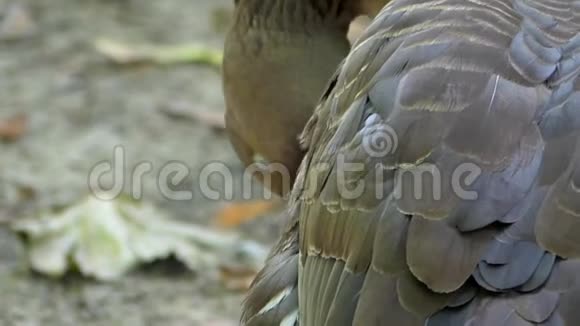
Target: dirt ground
point(79, 107)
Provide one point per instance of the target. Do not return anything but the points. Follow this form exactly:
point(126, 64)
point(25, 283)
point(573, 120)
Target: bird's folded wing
point(442, 181)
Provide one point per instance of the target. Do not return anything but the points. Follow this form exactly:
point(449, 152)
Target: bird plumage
point(490, 87)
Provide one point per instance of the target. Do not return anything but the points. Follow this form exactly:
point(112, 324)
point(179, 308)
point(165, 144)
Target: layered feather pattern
point(483, 101)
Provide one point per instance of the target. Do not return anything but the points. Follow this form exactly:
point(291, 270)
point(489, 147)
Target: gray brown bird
point(272, 90)
point(478, 99)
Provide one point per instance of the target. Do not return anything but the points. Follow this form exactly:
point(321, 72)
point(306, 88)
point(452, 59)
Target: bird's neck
point(299, 16)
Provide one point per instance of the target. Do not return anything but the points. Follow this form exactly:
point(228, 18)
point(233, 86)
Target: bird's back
point(442, 181)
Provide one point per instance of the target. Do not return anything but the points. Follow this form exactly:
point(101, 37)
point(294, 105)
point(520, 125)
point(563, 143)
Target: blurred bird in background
point(490, 87)
point(264, 123)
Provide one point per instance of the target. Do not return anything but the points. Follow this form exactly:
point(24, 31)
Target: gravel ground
point(79, 107)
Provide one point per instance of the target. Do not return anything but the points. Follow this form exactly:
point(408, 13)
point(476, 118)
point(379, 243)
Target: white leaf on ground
point(105, 239)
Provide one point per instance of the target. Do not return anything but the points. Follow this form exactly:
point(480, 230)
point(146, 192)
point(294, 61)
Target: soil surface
point(79, 107)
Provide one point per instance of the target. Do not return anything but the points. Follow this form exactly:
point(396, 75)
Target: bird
point(440, 182)
point(272, 148)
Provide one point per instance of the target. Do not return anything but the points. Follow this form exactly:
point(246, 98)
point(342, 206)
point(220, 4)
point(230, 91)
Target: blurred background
point(77, 79)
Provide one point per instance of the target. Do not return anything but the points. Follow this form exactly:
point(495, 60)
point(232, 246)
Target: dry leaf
point(237, 278)
point(122, 53)
point(235, 214)
point(213, 119)
point(105, 239)
point(180, 109)
point(13, 128)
